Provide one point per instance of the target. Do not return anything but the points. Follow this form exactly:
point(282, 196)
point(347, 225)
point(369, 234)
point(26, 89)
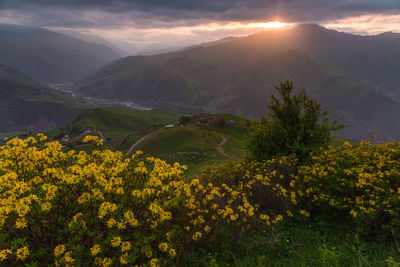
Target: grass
point(301, 244)
point(189, 145)
point(196, 146)
point(193, 145)
point(116, 122)
point(338, 141)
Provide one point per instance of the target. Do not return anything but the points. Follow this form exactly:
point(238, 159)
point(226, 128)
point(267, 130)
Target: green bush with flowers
point(358, 185)
point(66, 208)
point(362, 183)
point(83, 209)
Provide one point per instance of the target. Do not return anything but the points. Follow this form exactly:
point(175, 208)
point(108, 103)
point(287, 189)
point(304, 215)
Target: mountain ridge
point(49, 56)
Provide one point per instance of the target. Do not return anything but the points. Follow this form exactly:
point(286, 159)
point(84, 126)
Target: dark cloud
point(124, 5)
point(165, 14)
point(177, 23)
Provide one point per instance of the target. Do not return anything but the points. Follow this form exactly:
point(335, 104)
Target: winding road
point(143, 138)
point(221, 150)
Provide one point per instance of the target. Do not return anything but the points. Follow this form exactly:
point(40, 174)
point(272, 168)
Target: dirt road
point(143, 138)
point(221, 150)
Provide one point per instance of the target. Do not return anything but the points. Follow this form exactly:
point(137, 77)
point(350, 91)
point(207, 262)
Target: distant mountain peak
point(389, 34)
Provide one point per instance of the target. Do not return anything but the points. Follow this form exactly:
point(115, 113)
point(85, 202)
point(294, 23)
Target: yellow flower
point(149, 254)
point(354, 213)
point(111, 222)
point(116, 241)
point(46, 206)
point(196, 236)
point(22, 253)
point(59, 250)
point(68, 258)
point(305, 213)
point(154, 263)
point(3, 254)
point(163, 247)
point(106, 262)
point(94, 139)
point(126, 246)
point(95, 250)
point(123, 259)
point(105, 208)
point(172, 253)
point(42, 137)
point(21, 223)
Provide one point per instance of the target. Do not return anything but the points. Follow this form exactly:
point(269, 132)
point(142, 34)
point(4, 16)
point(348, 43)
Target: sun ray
point(267, 25)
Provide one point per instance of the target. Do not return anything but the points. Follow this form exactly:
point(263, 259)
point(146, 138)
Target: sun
point(268, 25)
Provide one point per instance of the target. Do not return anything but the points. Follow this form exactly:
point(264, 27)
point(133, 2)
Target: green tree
point(184, 120)
point(296, 125)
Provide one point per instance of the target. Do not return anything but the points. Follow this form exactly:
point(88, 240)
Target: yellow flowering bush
point(271, 184)
point(362, 182)
point(99, 208)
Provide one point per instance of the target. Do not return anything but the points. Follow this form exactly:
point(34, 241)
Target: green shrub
point(296, 125)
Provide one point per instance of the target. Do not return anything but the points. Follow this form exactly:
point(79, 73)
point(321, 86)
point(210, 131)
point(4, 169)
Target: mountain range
point(354, 77)
point(49, 56)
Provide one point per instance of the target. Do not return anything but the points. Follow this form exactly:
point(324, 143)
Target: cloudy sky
point(155, 24)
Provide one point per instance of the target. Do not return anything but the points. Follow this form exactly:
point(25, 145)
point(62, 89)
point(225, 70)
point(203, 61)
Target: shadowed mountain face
point(11, 74)
point(351, 76)
point(25, 105)
point(48, 56)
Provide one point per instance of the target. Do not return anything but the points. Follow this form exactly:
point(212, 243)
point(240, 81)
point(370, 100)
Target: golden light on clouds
point(268, 25)
point(366, 24)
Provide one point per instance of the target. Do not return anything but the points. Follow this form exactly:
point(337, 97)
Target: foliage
point(299, 244)
point(358, 186)
point(270, 183)
point(296, 126)
point(184, 120)
point(362, 182)
point(99, 208)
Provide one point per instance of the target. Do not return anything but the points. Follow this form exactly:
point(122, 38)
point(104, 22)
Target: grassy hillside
point(195, 144)
point(238, 77)
point(28, 108)
point(48, 56)
point(116, 122)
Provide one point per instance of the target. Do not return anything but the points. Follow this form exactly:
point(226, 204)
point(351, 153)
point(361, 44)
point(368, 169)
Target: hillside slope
point(48, 56)
point(115, 122)
point(11, 74)
point(29, 108)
